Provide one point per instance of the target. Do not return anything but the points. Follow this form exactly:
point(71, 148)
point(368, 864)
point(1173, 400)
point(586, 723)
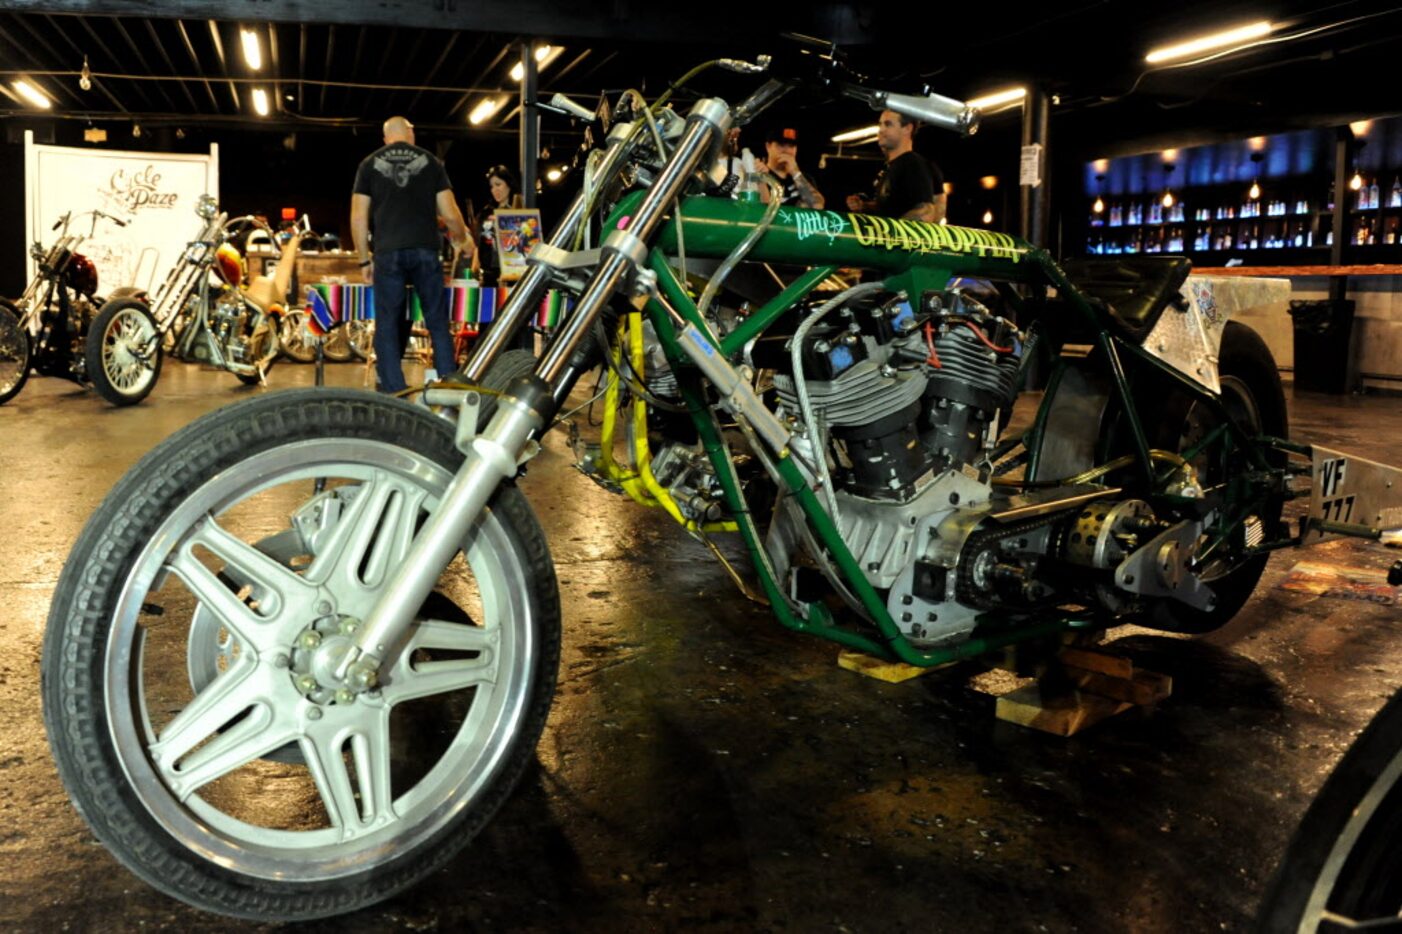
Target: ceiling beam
point(195, 61)
point(639, 21)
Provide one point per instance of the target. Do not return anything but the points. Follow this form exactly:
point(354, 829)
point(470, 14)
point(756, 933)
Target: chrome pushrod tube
point(530, 290)
point(708, 121)
point(524, 410)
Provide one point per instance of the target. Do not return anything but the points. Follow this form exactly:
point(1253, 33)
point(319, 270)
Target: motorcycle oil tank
point(81, 275)
point(230, 264)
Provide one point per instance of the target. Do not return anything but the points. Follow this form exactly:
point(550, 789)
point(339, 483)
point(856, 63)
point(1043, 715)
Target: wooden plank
point(1062, 714)
point(1142, 688)
point(1116, 665)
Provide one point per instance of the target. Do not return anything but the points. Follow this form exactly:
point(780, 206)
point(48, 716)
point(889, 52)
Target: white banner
point(154, 192)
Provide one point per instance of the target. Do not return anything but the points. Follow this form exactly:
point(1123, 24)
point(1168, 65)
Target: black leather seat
point(1134, 289)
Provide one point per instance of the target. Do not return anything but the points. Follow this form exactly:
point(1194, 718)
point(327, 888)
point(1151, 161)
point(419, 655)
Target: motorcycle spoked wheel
point(181, 635)
point(122, 330)
point(1255, 400)
point(298, 343)
point(1343, 867)
point(337, 346)
point(360, 334)
point(14, 353)
point(264, 347)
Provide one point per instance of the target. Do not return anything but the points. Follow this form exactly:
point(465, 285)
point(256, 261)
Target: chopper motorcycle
point(202, 313)
point(261, 602)
point(44, 329)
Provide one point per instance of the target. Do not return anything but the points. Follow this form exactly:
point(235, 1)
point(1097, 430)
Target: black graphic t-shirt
point(403, 183)
point(789, 187)
point(907, 180)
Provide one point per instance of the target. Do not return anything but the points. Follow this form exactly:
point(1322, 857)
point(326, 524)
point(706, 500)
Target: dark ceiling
point(351, 63)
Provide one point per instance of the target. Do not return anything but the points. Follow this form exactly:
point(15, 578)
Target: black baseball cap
point(782, 134)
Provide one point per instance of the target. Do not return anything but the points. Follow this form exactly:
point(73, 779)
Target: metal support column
point(1343, 158)
point(1035, 203)
point(530, 124)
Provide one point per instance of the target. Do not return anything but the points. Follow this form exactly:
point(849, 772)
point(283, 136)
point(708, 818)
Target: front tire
point(14, 352)
point(1343, 868)
point(193, 611)
point(297, 340)
point(337, 345)
point(123, 352)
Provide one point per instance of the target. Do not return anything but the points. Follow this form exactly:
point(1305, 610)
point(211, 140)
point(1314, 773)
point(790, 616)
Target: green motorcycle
point(246, 622)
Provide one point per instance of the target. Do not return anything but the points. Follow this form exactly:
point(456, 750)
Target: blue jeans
point(394, 269)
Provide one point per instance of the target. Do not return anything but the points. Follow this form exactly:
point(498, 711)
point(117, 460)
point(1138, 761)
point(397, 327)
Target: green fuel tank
point(713, 227)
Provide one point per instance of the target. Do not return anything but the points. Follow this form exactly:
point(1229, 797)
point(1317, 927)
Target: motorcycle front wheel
point(14, 353)
point(188, 666)
point(337, 346)
point(298, 343)
point(360, 334)
point(1343, 868)
point(123, 352)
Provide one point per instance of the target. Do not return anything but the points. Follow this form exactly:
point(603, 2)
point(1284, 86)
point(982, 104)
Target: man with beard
point(909, 186)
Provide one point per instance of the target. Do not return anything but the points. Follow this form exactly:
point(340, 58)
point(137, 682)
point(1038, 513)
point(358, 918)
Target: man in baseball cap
point(781, 161)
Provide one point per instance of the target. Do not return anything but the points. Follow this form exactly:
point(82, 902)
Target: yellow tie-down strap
point(636, 477)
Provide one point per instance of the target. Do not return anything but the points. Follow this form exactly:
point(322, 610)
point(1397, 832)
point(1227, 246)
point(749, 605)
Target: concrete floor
point(705, 769)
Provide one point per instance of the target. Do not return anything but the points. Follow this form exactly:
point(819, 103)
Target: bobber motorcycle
point(264, 607)
point(202, 313)
point(44, 329)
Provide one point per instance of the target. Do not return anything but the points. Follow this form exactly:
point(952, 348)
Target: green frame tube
point(713, 227)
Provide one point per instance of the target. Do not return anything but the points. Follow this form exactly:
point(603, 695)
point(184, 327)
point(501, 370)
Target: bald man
point(401, 191)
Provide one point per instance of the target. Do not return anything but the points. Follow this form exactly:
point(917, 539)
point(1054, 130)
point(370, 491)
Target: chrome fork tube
point(524, 410)
point(709, 120)
point(531, 289)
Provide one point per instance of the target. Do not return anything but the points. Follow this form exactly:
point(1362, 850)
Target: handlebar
point(578, 111)
point(934, 109)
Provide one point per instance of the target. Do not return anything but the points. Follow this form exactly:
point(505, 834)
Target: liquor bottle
point(1373, 194)
point(1394, 197)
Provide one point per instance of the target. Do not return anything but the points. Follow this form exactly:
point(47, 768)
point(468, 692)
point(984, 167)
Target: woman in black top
point(502, 182)
point(502, 185)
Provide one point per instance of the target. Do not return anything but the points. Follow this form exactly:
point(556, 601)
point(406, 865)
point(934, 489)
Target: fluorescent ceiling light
point(544, 55)
point(852, 136)
point(486, 109)
point(260, 101)
point(988, 101)
point(32, 94)
point(252, 51)
point(1217, 40)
